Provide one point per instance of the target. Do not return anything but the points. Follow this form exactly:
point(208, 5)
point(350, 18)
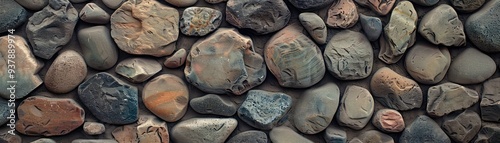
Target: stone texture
point(423, 129)
point(199, 21)
point(349, 56)
point(44, 140)
point(182, 3)
point(167, 96)
point(445, 98)
point(442, 26)
point(66, 72)
point(378, 6)
point(488, 134)
point(335, 134)
point(94, 141)
point(113, 4)
point(251, 136)
point(4, 111)
point(372, 26)
point(490, 100)
point(99, 50)
point(395, 91)
point(213, 130)
point(482, 26)
point(314, 26)
point(258, 16)
point(356, 107)
point(213, 104)
point(427, 63)
point(92, 13)
point(388, 120)
point(138, 70)
point(309, 5)
point(34, 5)
point(399, 33)
point(109, 99)
point(26, 70)
point(9, 138)
point(471, 66)
point(466, 6)
point(373, 136)
point(45, 116)
point(78, 1)
point(425, 2)
point(55, 23)
point(93, 128)
point(316, 107)
point(342, 14)
point(176, 60)
point(263, 109)
point(215, 1)
point(224, 62)
point(284, 134)
point(145, 27)
point(462, 127)
point(126, 133)
point(12, 15)
point(150, 129)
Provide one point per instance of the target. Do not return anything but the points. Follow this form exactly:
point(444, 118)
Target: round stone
point(138, 70)
point(388, 120)
point(427, 63)
point(93, 128)
point(442, 26)
point(356, 107)
point(259, 16)
point(471, 67)
point(482, 26)
point(167, 96)
point(66, 72)
point(99, 50)
point(342, 14)
point(199, 21)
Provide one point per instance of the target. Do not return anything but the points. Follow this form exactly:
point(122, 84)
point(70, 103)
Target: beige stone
point(66, 72)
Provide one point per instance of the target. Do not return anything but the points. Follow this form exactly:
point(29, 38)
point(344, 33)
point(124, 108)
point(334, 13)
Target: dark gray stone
point(482, 27)
point(4, 111)
point(252, 136)
point(99, 50)
point(471, 67)
point(255, 15)
point(12, 15)
point(425, 2)
point(199, 21)
point(490, 100)
point(467, 6)
point(78, 1)
point(263, 109)
point(424, 129)
point(374, 136)
point(34, 5)
point(309, 5)
point(462, 127)
point(488, 134)
point(92, 13)
point(445, 98)
point(335, 134)
point(213, 104)
point(372, 26)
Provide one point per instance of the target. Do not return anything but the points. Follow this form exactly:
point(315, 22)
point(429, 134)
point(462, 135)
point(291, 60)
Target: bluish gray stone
point(462, 127)
point(482, 27)
point(488, 134)
point(252, 136)
point(334, 134)
point(424, 129)
point(263, 109)
point(12, 15)
point(4, 111)
point(372, 26)
point(213, 104)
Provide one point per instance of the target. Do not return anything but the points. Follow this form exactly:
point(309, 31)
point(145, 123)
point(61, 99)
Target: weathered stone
point(424, 129)
point(425, 2)
point(309, 5)
point(99, 50)
point(372, 26)
point(34, 5)
point(126, 134)
point(113, 4)
point(152, 130)
point(379, 7)
point(6, 137)
point(399, 33)
point(4, 111)
point(442, 26)
point(199, 21)
point(213, 104)
point(94, 141)
point(374, 136)
point(182, 3)
point(314, 26)
point(145, 27)
point(45, 116)
point(356, 107)
point(225, 62)
point(213, 130)
point(395, 91)
point(490, 100)
point(138, 70)
point(176, 60)
point(54, 23)
point(263, 109)
point(335, 134)
point(284, 134)
point(462, 127)
point(109, 99)
point(44, 140)
point(482, 26)
point(259, 16)
point(92, 13)
point(66, 72)
point(252, 136)
point(167, 96)
point(471, 66)
point(388, 120)
point(488, 134)
point(215, 1)
point(12, 15)
point(93, 128)
point(349, 56)
point(467, 6)
point(427, 63)
point(342, 14)
point(448, 97)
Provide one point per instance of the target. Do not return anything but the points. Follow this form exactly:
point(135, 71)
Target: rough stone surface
point(395, 91)
point(215, 1)
point(213, 130)
point(490, 100)
point(448, 97)
point(182, 3)
point(314, 26)
point(94, 141)
point(310, 4)
point(4, 111)
point(9, 138)
point(372, 26)
point(109, 99)
point(150, 129)
point(263, 109)
point(284, 134)
point(251, 136)
point(113, 4)
point(335, 134)
point(224, 62)
point(92, 13)
point(93, 128)
point(471, 66)
point(145, 27)
point(342, 14)
point(467, 6)
point(99, 50)
point(66, 72)
point(34, 5)
point(249, 14)
point(356, 107)
point(374, 136)
point(379, 7)
point(462, 127)
point(425, 2)
point(167, 96)
point(423, 129)
point(12, 15)
point(199, 21)
point(349, 56)
point(126, 133)
point(427, 63)
point(213, 104)
point(55, 23)
point(176, 60)
point(488, 134)
point(388, 120)
point(45, 116)
point(44, 140)
point(442, 26)
point(138, 70)
point(482, 26)
point(316, 107)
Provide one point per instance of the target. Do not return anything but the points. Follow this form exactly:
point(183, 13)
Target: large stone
point(462, 127)
point(4, 111)
point(315, 109)
point(109, 99)
point(310, 4)
point(314, 26)
point(490, 100)
point(399, 33)
point(395, 91)
point(66, 72)
point(448, 97)
point(145, 27)
point(182, 3)
point(373, 136)
point(34, 5)
point(388, 120)
point(213, 104)
point(12, 15)
point(284, 134)
point(51, 28)
point(45, 116)
point(26, 68)
point(356, 107)
point(425, 2)
point(126, 133)
point(467, 6)
point(167, 96)
point(372, 26)
point(424, 129)
point(138, 70)
point(427, 63)
point(442, 26)
point(488, 134)
point(263, 109)
point(150, 129)
point(471, 66)
point(381, 7)
point(258, 16)
point(199, 21)
point(92, 13)
point(113, 4)
point(93, 128)
point(251, 136)
point(176, 60)
point(99, 50)
point(335, 134)
point(212, 130)
point(349, 56)
point(342, 14)
point(482, 26)
point(225, 62)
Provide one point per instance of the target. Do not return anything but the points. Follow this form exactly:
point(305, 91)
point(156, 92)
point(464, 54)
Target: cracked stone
point(199, 21)
point(356, 107)
point(490, 100)
point(138, 70)
point(263, 109)
point(342, 14)
point(213, 130)
point(445, 98)
point(150, 129)
point(462, 127)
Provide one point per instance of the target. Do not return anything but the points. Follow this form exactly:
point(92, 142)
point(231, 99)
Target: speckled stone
point(482, 26)
point(213, 104)
point(388, 120)
point(373, 136)
point(252, 136)
point(250, 14)
point(167, 96)
point(151, 129)
point(99, 50)
point(342, 14)
point(92, 13)
point(467, 6)
point(442, 26)
point(471, 66)
point(427, 63)
point(314, 26)
point(334, 134)
point(12, 15)
point(93, 128)
point(379, 7)
point(424, 129)
point(425, 2)
point(308, 5)
point(181, 3)
point(212, 130)
point(284, 134)
point(4, 111)
point(356, 107)
point(126, 133)
point(34, 5)
point(462, 127)
point(44, 140)
point(199, 21)
point(138, 70)
point(488, 134)
point(372, 26)
point(113, 4)
point(445, 98)
point(490, 100)
point(263, 109)
point(177, 59)
point(66, 72)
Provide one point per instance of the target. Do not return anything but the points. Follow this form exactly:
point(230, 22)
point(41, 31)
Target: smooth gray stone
point(490, 100)
point(284, 134)
point(99, 49)
point(209, 130)
point(12, 15)
point(356, 107)
point(263, 109)
point(315, 26)
point(471, 67)
point(441, 26)
point(427, 63)
point(424, 129)
point(334, 134)
point(92, 13)
point(488, 134)
point(462, 127)
point(445, 98)
point(34, 5)
point(250, 15)
point(213, 104)
point(482, 27)
point(138, 70)
point(252, 136)
point(372, 26)
point(113, 4)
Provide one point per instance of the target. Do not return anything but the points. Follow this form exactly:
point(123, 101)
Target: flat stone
point(213, 104)
point(94, 141)
point(9, 138)
point(372, 26)
point(425, 2)
point(182, 3)
point(126, 134)
point(388, 120)
point(380, 7)
point(145, 27)
point(215, 1)
point(113, 4)
point(4, 111)
point(199, 21)
point(349, 56)
point(13, 15)
point(445, 98)
point(356, 107)
point(399, 33)
point(99, 50)
point(177, 59)
point(374, 136)
point(395, 91)
point(167, 96)
point(488, 134)
point(263, 109)
point(342, 14)
point(427, 63)
point(34, 5)
point(45, 116)
point(138, 70)
point(224, 63)
point(315, 108)
point(481, 27)
point(66, 72)
point(109, 99)
point(462, 127)
point(284, 134)
point(490, 100)
point(93, 128)
point(213, 130)
point(44, 140)
point(252, 136)
point(26, 74)
point(424, 129)
point(314, 26)
point(309, 5)
point(55, 23)
point(150, 129)
point(248, 14)
point(471, 66)
point(92, 13)
point(335, 134)
point(467, 6)
point(442, 26)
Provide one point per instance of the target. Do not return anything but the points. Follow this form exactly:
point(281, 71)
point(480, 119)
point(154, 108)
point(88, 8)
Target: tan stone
point(427, 63)
point(442, 26)
point(167, 96)
point(395, 91)
point(66, 72)
point(152, 130)
point(126, 134)
point(176, 60)
point(388, 120)
point(342, 14)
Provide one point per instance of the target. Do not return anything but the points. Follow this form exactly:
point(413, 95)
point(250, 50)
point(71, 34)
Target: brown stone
point(150, 129)
point(126, 134)
point(342, 14)
point(66, 72)
point(388, 120)
point(427, 63)
point(176, 60)
point(167, 96)
point(381, 7)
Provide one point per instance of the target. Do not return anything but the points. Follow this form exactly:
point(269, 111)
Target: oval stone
point(113, 4)
point(388, 120)
point(167, 96)
point(442, 26)
point(93, 128)
point(138, 70)
point(210, 130)
point(199, 21)
point(471, 66)
point(427, 63)
point(258, 16)
point(482, 26)
point(342, 14)
point(372, 136)
point(309, 5)
point(314, 26)
point(99, 50)
point(252, 136)
point(425, 2)
point(356, 107)
point(284, 134)
point(213, 104)
point(182, 3)
point(66, 72)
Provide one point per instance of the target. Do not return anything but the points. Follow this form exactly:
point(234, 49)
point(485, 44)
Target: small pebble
point(213, 104)
point(176, 60)
point(93, 128)
point(388, 120)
